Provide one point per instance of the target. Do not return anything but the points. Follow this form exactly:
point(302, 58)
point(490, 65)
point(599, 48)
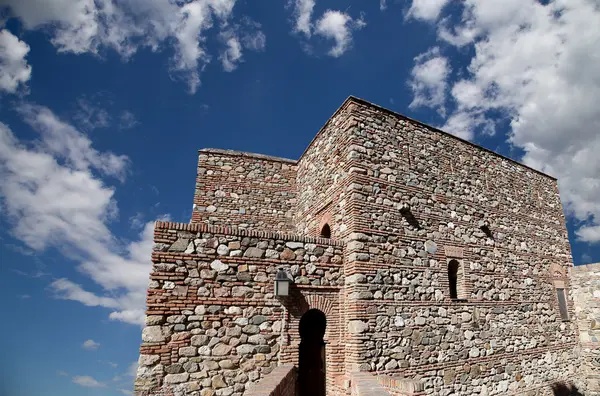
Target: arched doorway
point(311, 359)
point(326, 231)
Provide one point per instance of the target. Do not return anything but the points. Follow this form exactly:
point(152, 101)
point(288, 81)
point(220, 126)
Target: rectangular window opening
point(562, 304)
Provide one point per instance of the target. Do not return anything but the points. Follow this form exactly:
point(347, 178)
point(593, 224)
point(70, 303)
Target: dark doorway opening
point(311, 359)
point(326, 231)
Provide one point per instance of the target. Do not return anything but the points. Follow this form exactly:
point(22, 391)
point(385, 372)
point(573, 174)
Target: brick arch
point(316, 301)
point(325, 219)
point(556, 271)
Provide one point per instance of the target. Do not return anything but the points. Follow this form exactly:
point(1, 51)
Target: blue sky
point(103, 105)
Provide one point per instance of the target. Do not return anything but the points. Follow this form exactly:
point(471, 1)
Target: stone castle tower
point(420, 264)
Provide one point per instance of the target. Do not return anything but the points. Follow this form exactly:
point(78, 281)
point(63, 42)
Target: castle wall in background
point(585, 280)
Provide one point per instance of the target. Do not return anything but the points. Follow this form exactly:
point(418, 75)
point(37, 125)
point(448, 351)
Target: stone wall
point(420, 198)
point(410, 208)
point(251, 191)
point(213, 325)
point(585, 281)
point(323, 178)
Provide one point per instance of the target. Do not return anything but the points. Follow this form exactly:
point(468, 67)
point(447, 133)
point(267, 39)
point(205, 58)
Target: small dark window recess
point(326, 231)
point(453, 278)
point(410, 218)
point(562, 304)
point(484, 226)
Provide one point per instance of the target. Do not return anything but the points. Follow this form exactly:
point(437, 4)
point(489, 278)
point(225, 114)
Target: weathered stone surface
point(357, 326)
point(245, 349)
point(294, 245)
point(287, 254)
point(218, 382)
point(253, 252)
point(155, 334)
point(148, 360)
point(179, 245)
point(219, 266)
point(176, 378)
point(221, 350)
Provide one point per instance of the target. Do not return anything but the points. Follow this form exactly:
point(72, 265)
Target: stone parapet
point(366, 384)
point(246, 190)
point(281, 382)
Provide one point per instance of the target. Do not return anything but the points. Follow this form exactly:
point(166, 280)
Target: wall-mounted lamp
point(282, 283)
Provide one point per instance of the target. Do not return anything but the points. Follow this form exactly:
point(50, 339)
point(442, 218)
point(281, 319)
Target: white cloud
point(125, 391)
point(333, 25)
point(589, 233)
point(67, 290)
point(463, 124)
point(428, 80)
point(91, 26)
point(536, 64)
point(62, 373)
point(428, 10)
point(338, 26)
point(90, 345)
point(91, 116)
point(127, 120)
point(62, 171)
point(64, 141)
point(256, 40)
point(303, 10)
point(88, 382)
point(14, 70)
point(232, 55)
point(382, 5)
point(111, 364)
point(137, 222)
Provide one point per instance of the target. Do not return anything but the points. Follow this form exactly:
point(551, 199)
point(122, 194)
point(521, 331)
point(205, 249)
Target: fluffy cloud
point(64, 172)
point(303, 10)
point(90, 345)
point(88, 382)
point(428, 80)
point(90, 26)
point(14, 70)
point(338, 26)
point(333, 25)
point(428, 10)
point(536, 64)
point(233, 53)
